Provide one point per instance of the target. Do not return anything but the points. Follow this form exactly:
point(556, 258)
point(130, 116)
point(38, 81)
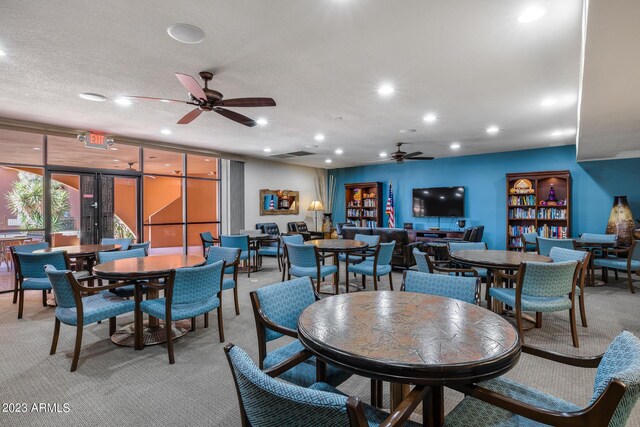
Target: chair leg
point(615, 274)
point(390, 281)
point(206, 320)
point(538, 319)
point(519, 324)
point(56, 334)
point(193, 324)
point(235, 300)
point(629, 278)
point(375, 283)
point(167, 330)
point(20, 302)
point(605, 274)
point(220, 324)
point(583, 311)
point(44, 298)
point(249, 265)
point(364, 282)
point(574, 327)
point(76, 350)
point(15, 292)
point(112, 326)
point(279, 264)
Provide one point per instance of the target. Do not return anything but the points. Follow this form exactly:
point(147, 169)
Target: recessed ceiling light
point(319, 137)
point(262, 121)
point(430, 118)
point(96, 97)
point(407, 130)
point(386, 89)
point(113, 149)
point(548, 102)
point(3, 53)
point(382, 154)
point(310, 146)
point(455, 146)
point(207, 160)
point(167, 164)
point(37, 148)
point(442, 197)
point(166, 131)
point(532, 13)
point(116, 160)
point(328, 161)
point(267, 150)
point(338, 151)
point(493, 129)
point(125, 102)
point(186, 33)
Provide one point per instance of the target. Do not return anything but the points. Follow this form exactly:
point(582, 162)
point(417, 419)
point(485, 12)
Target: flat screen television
point(438, 202)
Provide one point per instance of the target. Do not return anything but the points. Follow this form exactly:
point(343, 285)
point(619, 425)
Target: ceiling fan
point(206, 99)
point(400, 156)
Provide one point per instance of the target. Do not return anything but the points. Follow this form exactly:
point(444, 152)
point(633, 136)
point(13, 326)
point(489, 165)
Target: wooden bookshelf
point(534, 211)
point(364, 205)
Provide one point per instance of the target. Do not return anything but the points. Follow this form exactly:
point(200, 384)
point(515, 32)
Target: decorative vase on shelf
point(621, 221)
point(461, 223)
point(552, 194)
point(326, 222)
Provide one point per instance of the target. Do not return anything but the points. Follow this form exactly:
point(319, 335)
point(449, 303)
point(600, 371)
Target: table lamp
point(316, 206)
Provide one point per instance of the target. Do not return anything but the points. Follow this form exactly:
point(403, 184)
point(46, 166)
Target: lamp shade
point(316, 205)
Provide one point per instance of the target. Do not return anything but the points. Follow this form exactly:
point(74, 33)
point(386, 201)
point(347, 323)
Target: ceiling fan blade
point(243, 120)
point(416, 153)
point(420, 158)
point(190, 116)
point(148, 98)
point(248, 102)
point(191, 85)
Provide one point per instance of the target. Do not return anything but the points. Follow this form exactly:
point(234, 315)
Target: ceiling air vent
point(281, 156)
point(300, 153)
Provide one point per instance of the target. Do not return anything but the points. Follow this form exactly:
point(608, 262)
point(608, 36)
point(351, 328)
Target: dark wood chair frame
point(320, 257)
point(605, 270)
point(235, 263)
point(214, 242)
point(525, 243)
point(599, 413)
point(446, 266)
point(367, 253)
point(477, 290)
point(502, 277)
point(279, 257)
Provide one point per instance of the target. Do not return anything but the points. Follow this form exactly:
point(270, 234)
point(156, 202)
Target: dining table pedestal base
point(152, 335)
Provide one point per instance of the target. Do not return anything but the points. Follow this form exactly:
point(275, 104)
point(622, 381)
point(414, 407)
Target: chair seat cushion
point(531, 303)
point(81, 274)
point(617, 263)
point(36, 284)
point(475, 412)
point(128, 291)
point(100, 306)
point(353, 259)
point(156, 308)
point(228, 284)
point(303, 374)
point(244, 255)
point(270, 251)
point(366, 268)
point(325, 270)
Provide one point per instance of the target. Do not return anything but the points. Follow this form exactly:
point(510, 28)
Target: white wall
point(263, 174)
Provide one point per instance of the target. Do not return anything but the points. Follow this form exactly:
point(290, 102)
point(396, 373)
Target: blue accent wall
point(593, 186)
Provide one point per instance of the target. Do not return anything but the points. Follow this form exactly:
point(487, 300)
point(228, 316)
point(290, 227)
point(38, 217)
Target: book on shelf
point(519, 230)
point(552, 231)
point(552, 213)
point(529, 200)
point(522, 213)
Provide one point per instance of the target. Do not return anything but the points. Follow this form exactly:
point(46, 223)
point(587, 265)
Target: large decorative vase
point(326, 222)
point(636, 232)
point(621, 221)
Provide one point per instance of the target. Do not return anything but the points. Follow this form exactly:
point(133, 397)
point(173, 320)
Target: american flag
point(389, 211)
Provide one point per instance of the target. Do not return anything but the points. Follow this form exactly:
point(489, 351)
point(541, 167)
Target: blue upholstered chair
point(240, 241)
point(267, 402)
point(540, 287)
point(469, 246)
point(561, 255)
point(73, 310)
point(529, 242)
point(23, 249)
point(370, 240)
point(276, 309)
point(296, 239)
point(599, 238)
point(629, 264)
point(271, 248)
point(506, 403)
point(426, 264)
point(379, 266)
point(102, 257)
point(207, 241)
point(144, 245)
point(462, 288)
point(188, 293)
point(304, 261)
point(231, 257)
point(545, 244)
point(124, 243)
point(421, 260)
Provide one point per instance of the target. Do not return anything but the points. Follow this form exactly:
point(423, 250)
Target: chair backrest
point(530, 238)
point(265, 401)
point(195, 284)
point(479, 233)
point(295, 239)
point(621, 361)
point(144, 245)
point(466, 236)
point(298, 226)
point(240, 241)
point(114, 255)
point(368, 239)
point(548, 279)
point(219, 253)
point(270, 228)
point(385, 253)
point(421, 260)
point(474, 235)
point(561, 254)
point(545, 244)
point(340, 225)
point(302, 255)
point(634, 250)
point(207, 239)
point(462, 288)
point(599, 238)
point(61, 283)
point(29, 248)
point(466, 246)
point(32, 265)
point(282, 303)
point(124, 243)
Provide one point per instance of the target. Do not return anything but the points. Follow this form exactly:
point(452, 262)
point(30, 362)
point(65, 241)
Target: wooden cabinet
point(538, 202)
point(364, 204)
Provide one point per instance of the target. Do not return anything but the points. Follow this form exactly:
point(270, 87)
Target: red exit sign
point(95, 140)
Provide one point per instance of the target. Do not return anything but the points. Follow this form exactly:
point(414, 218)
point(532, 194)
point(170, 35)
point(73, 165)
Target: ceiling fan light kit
point(400, 156)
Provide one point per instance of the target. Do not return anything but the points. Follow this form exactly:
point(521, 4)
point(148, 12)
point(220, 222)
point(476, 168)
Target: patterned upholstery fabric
point(295, 239)
point(530, 238)
point(421, 260)
point(100, 306)
point(302, 255)
point(560, 255)
point(467, 246)
point(616, 263)
point(283, 303)
point(270, 251)
point(219, 253)
point(207, 239)
point(325, 270)
point(29, 248)
point(124, 243)
point(531, 303)
point(385, 253)
point(114, 255)
point(545, 245)
point(145, 246)
point(237, 241)
point(599, 238)
point(457, 287)
point(32, 268)
point(370, 240)
point(195, 292)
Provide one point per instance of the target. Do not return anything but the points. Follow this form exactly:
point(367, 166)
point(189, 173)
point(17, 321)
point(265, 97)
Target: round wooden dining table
point(410, 338)
point(593, 247)
point(336, 247)
point(136, 271)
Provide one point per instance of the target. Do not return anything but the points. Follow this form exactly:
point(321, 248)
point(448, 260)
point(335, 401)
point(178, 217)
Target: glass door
point(118, 206)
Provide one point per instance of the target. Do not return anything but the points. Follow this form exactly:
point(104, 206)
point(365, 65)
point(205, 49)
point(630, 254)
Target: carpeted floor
point(117, 386)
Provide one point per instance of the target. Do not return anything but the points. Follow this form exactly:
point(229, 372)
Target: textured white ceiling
point(470, 62)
